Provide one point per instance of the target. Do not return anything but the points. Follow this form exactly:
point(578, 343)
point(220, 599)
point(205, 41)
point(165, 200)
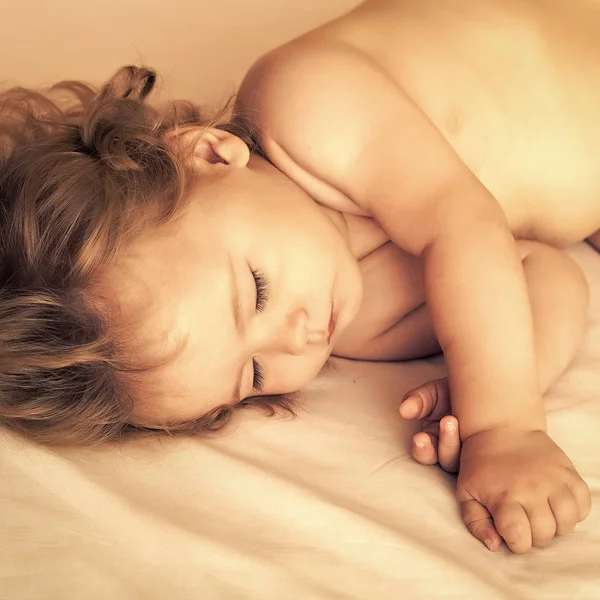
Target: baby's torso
point(392, 323)
point(513, 85)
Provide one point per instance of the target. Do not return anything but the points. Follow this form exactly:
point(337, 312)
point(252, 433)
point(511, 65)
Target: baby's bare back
point(514, 86)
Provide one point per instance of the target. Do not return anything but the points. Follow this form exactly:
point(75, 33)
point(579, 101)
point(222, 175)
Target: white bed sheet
point(326, 506)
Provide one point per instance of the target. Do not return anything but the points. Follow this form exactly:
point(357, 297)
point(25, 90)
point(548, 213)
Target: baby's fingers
point(424, 448)
point(411, 406)
point(581, 492)
point(480, 523)
point(428, 449)
point(449, 445)
point(512, 523)
point(428, 401)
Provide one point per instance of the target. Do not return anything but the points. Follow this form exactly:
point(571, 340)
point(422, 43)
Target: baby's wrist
point(508, 429)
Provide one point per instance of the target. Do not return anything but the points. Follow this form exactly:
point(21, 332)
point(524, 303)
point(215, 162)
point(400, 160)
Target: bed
point(327, 506)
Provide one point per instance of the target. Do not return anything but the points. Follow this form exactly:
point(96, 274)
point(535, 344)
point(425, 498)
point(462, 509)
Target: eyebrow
point(236, 306)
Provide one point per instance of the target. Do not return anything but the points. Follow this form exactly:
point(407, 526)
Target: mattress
point(328, 505)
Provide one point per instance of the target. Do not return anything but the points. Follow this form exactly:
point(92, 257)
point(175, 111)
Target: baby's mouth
point(332, 323)
point(323, 336)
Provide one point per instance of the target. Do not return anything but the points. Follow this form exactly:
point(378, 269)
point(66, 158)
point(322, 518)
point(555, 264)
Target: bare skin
point(421, 116)
point(451, 149)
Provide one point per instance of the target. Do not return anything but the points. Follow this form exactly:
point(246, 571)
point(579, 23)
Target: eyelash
point(262, 290)
point(259, 376)
point(262, 296)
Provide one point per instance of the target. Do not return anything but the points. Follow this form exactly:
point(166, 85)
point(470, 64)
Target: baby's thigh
point(558, 294)
point(558, 289)
point(549, 268)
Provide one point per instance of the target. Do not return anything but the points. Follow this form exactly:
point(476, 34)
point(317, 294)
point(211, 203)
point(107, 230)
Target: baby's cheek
point(289, 374)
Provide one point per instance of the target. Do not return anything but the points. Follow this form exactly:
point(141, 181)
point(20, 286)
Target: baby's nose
point(292, 336)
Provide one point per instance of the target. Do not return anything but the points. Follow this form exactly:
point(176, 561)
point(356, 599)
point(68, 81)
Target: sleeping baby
point(396, 183)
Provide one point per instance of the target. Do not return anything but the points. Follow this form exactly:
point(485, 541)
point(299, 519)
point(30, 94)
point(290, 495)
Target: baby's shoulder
point(301, 67)
point(301, 100)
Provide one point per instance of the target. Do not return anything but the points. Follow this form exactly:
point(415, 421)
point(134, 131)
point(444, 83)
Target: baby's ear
point(208, 147)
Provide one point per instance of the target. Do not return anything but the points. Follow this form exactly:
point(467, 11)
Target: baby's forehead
point(152, 273)
point(176, 321)
point(142, 313)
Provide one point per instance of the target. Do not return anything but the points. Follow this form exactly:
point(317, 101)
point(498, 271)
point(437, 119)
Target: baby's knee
point(554, 272)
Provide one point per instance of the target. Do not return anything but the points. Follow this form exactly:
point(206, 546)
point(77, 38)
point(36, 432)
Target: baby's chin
point(328, 366)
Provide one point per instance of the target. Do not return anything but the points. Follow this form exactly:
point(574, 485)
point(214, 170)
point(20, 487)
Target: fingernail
point(420, 443)
point(490, 544)
point(450, 426)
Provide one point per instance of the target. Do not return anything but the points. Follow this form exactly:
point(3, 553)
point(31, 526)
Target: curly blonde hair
point(82, 172)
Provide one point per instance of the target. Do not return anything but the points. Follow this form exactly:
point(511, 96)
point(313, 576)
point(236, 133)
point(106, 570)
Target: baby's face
point(236, 297)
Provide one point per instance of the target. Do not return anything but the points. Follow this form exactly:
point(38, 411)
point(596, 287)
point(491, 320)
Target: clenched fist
point(514, 484)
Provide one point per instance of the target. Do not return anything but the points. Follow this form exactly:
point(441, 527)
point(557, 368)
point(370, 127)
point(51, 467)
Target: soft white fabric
point(327, 506)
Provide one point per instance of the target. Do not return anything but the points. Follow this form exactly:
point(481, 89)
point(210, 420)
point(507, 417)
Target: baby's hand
point(439, 439)
point(524, 482)
point(439, 443)
point(506, 476)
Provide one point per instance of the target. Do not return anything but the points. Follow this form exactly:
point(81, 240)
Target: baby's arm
point(359, 133)
point(347, 124)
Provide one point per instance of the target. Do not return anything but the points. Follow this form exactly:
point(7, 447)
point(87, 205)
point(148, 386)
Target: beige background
point(200, 48)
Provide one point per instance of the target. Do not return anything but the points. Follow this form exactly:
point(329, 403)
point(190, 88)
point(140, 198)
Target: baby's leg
point(558, 294)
